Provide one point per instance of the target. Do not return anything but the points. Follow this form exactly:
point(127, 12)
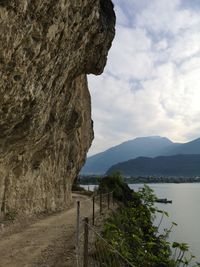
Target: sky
point(151, 84)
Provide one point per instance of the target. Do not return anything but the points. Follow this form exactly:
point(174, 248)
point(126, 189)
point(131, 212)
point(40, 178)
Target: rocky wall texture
point(46, 49)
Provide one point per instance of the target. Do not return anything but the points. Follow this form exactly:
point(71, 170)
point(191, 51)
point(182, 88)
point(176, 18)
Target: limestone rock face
point(46, 49)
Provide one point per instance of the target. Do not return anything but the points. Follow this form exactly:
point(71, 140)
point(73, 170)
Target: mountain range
point(152, 147)
point(168, 166)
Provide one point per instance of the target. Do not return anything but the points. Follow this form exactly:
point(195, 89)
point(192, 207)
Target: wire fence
point(100, 253)
point(92, 250)
point(98, 205)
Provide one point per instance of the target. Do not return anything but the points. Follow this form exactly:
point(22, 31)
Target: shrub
point(121, 191)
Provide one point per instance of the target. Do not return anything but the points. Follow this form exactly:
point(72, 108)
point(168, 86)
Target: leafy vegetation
point(131, 230)
point(115, 183)
point(10, 215)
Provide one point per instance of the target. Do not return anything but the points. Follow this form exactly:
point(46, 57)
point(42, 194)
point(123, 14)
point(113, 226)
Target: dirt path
point(50, 242)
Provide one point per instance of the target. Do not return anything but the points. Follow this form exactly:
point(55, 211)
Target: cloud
point(166, 17)
point(130, 56)
point(151, 83)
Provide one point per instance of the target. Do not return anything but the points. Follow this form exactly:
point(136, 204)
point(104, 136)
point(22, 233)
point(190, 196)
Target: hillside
point(192, 147)
point(177, 165)
point(145, 146)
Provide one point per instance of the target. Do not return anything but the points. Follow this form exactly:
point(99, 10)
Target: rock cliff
point(46, 49)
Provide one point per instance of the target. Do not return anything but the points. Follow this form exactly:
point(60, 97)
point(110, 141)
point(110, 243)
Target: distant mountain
point(144, 146)
point(192, 147)
point(177, 165)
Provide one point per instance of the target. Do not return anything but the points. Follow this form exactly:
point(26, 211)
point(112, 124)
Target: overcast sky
point(151, 84)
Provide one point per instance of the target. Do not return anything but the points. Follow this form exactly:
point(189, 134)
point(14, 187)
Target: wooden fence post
point(93, 210)
point(108, 200)
point(86, 239)
point(100, 203)
point(77, 230)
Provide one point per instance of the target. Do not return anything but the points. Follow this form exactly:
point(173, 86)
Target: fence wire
point(98, 204)
point(99, 252)
point(92, 249)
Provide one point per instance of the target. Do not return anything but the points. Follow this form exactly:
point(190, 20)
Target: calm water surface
point(184, 210)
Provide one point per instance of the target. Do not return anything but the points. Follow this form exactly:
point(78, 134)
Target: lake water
point(184, 210)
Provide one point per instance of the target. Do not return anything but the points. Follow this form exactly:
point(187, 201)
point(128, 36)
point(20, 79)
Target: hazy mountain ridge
point(143, 146)
point(140, 147)
point(176, 165)
point(192, 147)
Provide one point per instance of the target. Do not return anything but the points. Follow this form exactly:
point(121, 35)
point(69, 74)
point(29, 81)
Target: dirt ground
point(48, 242)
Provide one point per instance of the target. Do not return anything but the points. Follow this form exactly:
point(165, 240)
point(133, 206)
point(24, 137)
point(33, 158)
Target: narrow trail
point(50, 242)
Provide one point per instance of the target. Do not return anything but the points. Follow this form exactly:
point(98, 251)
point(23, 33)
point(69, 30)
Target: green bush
point(131, 231)
point(121, 191)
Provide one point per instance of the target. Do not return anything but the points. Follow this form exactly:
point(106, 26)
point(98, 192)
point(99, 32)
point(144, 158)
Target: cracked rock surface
point(46, 49)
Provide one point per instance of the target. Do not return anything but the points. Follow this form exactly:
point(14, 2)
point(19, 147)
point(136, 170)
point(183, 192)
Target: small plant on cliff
point(10, 215)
